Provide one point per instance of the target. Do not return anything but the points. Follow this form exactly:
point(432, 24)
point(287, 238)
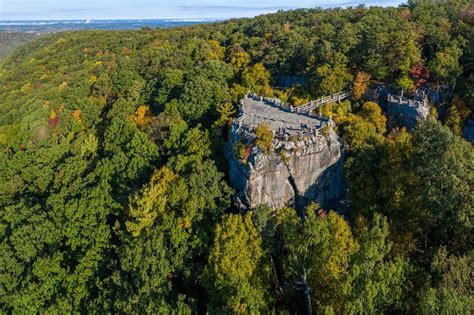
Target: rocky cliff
point(407, 111)
point(305, 163)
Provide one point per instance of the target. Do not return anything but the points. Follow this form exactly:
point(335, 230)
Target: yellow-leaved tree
point(142, 116)
point(150, 202)
point(373, 113)
point(239, 60)
point(232, 276)
point(329, 260)
point(226, 112)
point(361, 84)
point(257, 79)
point(264, 137)
point(216, 50)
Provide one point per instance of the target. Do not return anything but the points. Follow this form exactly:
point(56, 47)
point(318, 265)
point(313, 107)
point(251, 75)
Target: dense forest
point(114, 191)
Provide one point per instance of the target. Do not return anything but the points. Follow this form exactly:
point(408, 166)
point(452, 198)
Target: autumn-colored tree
point(232, 273)
point(264, 137)
point(216, 51)
point(76, 114)
point(361, 84)
point(372, 112)
point(142, 116)
point(467, 15)
point(358, 132)
point(419, 74)
point(336, 110)
point(257, 78)
point(239, 60)
point(226, 112)
point(150, 202)
point(329, 262)
point(53, 119)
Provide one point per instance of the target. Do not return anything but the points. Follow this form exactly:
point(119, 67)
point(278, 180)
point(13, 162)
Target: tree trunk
point(309, 309)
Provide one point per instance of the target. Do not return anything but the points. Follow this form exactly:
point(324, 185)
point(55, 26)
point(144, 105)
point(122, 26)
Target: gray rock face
point(407, 112)
point(469, 130)
point(306, 168)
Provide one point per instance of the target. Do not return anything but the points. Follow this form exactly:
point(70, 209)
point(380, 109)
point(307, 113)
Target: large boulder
point(295, 172)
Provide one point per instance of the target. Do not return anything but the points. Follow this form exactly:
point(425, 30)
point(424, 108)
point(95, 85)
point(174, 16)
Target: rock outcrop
point(469, 130)
point(407, 111)
point(305, 163)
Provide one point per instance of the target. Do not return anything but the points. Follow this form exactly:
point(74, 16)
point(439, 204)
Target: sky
point(159, 9)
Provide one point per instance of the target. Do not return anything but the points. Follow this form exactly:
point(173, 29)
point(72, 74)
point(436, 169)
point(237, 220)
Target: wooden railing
point(312, 105)
point(302, 109)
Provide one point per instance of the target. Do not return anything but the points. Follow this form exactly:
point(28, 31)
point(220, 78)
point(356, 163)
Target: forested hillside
point(114, 191)
point(11, 40)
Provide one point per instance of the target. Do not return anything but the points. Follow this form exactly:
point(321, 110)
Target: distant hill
point(49, 26)
point(11, 40)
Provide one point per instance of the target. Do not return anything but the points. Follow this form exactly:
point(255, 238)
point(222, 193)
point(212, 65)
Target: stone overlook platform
point(285, 120)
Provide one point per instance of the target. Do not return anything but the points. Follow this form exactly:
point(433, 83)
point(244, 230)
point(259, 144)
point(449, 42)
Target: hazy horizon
point(50, 10)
